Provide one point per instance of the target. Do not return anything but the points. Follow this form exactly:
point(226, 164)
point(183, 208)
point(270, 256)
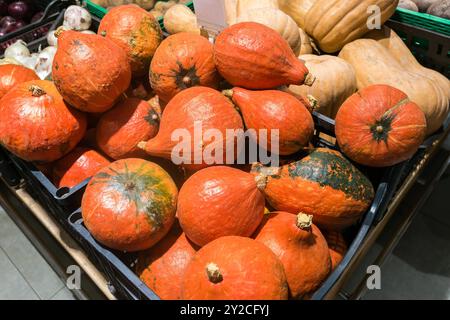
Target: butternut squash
point(230, 11)
point(297, 9)
point(334, 23)
point(246, 5)
point(307, 45)
point(335, 82)
point(374, 64)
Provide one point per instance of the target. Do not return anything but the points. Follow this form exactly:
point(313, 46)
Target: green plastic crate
point(99, 11)
point(423, 20)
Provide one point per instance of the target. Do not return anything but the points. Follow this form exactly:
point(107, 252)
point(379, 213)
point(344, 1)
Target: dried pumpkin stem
point(187, 81)
point(380, 129)
point(313, 102)
point(309, 80)
point(304, 221)
point(59, 31)
point(142, 145)
point(213, 273)
point(228, 93)
point(36, 91)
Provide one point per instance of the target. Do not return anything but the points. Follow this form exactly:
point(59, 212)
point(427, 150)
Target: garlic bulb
point(52, 40)
point(77, 18)
point(44, 62)
point(30, 61)
point(9, 61)
point(17, 49)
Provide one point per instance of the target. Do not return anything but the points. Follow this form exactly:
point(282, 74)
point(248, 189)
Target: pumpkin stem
point(58, 31)
point(142, 145)
point(304, 221)
point(213, 273)
point(36, 91)
point(187, 81)
point(129, 186)
point(379, 129)
point(313, 102)
point(228, 93)
point(263, 173)
point(309, 80)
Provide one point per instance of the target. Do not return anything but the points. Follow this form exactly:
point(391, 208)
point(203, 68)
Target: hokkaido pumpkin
point(11, 74)
point(374, 64)
point(183, 60)
point(275, 110)
point(90, 71)
point(162, 267)
point(235, 268)
point(129, 205)
point(205, 109)
point(334, 23)
point(335, 82)
point(379, 126)
point(323, 184)
point(136, 31)
point(253, 56)
point(36, 124)
point(337, 247)
point(301, 248)
point(78, 165)
point(219, 201)
point(121, 128)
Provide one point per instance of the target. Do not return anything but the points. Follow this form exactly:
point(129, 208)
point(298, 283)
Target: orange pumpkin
point(36, 124)
point(253, 56)
point(78, 165)
point(337, 247)
point(323, 184)
point(90, 71)
point(275, 110)
point(162, 267)
point(136, 31)
point(219, 201)
point(379, 126)
point(124, 126)
point(183, 60)
point(301, 248)
point(129, 205)
point(12, 74)
point(235, 268)
point(201, 106)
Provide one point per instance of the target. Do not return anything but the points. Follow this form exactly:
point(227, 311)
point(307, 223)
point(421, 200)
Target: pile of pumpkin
point(203, 231)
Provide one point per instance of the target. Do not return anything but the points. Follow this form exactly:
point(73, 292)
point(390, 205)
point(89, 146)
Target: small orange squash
point(235, 268)
point(36, 124)
point(275, 110)
point(253, 56)
point(183, 60)
point(129, 205)
point(323, 184)
point(121, 128)
point(78, 165)
point(337, 247)
point(219, 201)
point(162, 267)
point(379, 126)
point(12, 74)
point(136, 31)
point(90, 71)
point(301, 248)
point(201, 106)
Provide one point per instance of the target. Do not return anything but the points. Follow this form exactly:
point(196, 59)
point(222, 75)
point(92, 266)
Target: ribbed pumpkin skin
point(121, 128)
point(250, 271)
point(334, 23)
point(303, 252)
point(136, 31)
point(379, 126)
point(276, 110)
point(195, 104)
point(78, 165)
point(90, 71)
point(219, 201)
point(39, 128)
point(11, 74)
point(183, 60)
point(323, 184)
point(129, 205)
point(337, 246)
point(253, 56)
point(162, 267)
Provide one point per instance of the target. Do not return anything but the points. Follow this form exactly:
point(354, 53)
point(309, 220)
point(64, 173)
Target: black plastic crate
point(60, 201)
point(37, 29)
point(118, 266)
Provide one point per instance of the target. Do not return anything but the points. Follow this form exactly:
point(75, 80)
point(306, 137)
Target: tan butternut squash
point(246, 5)
point(374, 64)
point(307, 45)
point(297, 9)
point(334, 23)
point(230, 11)
point(335, 82)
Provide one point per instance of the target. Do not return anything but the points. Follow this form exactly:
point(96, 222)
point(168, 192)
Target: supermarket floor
point(419, 268)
